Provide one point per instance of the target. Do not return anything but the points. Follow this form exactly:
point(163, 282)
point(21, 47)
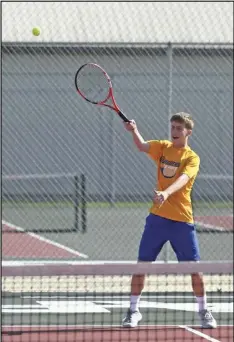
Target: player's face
point(179, 134)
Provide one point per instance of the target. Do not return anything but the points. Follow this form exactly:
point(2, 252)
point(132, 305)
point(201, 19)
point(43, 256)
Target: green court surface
point(108, 310)
point(114, 232)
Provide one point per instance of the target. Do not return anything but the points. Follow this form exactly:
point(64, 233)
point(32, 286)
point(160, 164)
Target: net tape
point(112, 277)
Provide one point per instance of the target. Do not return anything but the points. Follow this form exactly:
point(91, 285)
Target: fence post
point(112, 158)
point(83, 203)
point(113, 162)
point(170, 85)
point(169, 112)
point(76, 202)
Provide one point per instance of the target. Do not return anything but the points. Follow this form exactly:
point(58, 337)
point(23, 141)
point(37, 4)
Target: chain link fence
point(51, 137)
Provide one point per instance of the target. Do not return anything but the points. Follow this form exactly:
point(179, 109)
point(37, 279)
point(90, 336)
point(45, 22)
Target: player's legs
point(152, 241)
point(184, 241)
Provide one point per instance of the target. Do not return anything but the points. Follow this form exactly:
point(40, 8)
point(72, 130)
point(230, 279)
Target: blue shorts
point(181, 235)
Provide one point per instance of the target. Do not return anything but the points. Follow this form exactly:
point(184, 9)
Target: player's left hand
point(160, 197)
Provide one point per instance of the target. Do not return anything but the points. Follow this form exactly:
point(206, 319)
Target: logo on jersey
point(168, 168)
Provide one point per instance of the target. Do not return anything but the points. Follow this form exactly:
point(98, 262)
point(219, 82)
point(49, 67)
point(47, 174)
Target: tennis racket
point(94, 85)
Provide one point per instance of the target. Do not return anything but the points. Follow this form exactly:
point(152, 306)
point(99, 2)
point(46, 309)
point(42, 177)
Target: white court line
point(199, 333)
point(89, 262)
point(37, 262)
point(127, 296)
point(41, 238)
point(84, 326)
point(106, 326)
point(212, 226)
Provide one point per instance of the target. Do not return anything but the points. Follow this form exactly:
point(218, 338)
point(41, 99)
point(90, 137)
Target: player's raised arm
point(139, 141)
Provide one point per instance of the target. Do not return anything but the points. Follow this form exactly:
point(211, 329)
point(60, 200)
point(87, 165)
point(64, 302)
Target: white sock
point(134, 302)
point(202, 303)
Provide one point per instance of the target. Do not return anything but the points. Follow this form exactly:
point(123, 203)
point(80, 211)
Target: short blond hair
point(183, 118)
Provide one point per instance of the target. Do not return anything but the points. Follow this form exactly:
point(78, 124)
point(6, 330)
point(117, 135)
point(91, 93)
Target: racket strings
point(92, 83)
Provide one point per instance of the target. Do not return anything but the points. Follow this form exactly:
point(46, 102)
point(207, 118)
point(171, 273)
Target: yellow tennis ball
point(36, 31)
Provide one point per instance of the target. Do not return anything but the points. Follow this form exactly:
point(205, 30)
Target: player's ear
point(189, 132)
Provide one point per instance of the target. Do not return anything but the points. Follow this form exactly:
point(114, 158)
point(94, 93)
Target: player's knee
point(138, 278)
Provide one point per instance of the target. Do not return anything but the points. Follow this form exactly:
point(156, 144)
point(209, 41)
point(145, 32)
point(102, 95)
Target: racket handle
point(123, 117)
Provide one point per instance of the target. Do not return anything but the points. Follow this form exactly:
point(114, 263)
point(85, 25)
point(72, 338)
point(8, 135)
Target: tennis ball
point(36, 31)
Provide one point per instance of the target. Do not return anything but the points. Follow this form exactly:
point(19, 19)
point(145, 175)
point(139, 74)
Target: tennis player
point(171, 216)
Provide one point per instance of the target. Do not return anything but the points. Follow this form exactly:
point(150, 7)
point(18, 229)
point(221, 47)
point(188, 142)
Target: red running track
point(115, 334)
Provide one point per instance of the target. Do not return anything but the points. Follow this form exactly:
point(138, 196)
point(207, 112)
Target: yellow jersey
point(172, 162)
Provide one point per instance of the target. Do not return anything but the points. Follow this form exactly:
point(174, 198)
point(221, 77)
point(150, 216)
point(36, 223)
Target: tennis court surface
point(59, 218)
point(87, 302)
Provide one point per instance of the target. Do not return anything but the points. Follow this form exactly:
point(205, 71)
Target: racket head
point(93, 83)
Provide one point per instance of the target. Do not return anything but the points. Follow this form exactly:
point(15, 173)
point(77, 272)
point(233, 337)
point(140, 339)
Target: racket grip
point(123, 117)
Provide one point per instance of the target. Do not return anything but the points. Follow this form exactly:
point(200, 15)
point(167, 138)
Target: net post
point(83, 204)
point(76, 203)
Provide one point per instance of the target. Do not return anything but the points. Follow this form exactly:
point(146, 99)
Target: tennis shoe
point(207, 320)
point(132, 318)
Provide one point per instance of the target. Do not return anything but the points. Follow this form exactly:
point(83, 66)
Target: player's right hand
point(130, 126)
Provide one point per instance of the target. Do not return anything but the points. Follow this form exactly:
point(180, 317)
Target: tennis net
point(87, 302)
point(44, 203)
